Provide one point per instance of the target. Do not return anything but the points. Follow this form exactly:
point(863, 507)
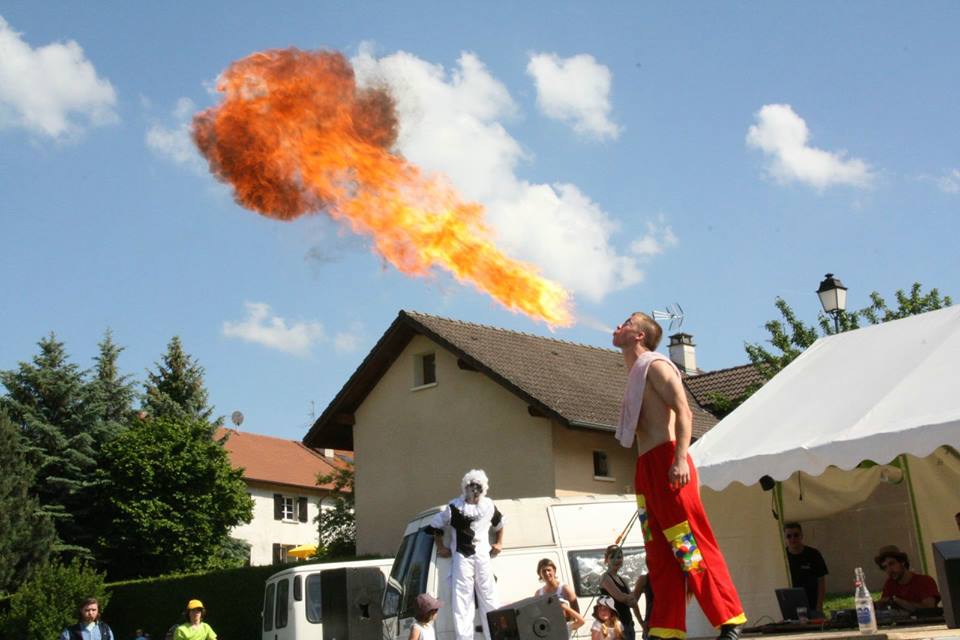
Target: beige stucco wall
point(573, 462)
point(412, 447)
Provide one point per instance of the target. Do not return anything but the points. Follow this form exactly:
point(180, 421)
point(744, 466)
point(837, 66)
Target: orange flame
point(295, 135)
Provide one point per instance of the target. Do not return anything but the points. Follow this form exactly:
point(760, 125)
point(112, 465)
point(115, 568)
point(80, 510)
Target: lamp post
point(833, 297)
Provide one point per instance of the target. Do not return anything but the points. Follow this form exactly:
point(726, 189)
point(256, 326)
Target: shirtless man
point(682, 553)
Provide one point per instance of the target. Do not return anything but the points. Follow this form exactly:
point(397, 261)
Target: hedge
point(233, 599)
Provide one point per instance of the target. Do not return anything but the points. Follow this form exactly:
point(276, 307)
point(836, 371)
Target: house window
point(289, 508)
point(601, 466)
point(425, 372)
point(281, 553)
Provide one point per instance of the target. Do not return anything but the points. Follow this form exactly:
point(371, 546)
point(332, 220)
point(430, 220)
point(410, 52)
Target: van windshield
point(408, 578)
point(588, 566)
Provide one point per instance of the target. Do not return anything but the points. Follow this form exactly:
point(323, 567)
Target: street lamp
point(833, 297)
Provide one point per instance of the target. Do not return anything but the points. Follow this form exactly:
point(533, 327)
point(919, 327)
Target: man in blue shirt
point(89, 626)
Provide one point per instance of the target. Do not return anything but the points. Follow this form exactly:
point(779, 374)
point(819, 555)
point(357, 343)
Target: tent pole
point(778, 498)
point(916, 514)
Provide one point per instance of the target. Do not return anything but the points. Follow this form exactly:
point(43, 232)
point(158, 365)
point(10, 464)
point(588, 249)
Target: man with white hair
point(471, 517)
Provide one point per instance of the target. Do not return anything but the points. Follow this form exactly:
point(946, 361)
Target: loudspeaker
point(946, 555)
point(536, 618)
point(350, 603)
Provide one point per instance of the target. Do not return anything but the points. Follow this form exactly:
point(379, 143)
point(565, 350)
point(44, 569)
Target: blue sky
point(715, 155)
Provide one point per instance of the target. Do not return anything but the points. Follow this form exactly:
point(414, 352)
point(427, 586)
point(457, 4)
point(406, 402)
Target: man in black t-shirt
point(807, 568)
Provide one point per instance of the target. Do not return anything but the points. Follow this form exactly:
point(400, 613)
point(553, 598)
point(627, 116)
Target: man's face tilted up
point(626, 333)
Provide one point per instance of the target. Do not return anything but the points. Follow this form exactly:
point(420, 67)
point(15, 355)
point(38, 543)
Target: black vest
point(75, 631)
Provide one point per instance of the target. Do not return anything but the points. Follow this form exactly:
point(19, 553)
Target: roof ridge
point(259, 435)
point(414, 314)
point(710, 373)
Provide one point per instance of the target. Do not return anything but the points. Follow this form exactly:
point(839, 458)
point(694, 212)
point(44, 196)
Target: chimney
point(683, 352)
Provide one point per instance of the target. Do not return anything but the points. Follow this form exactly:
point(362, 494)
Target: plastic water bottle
point(863, 601)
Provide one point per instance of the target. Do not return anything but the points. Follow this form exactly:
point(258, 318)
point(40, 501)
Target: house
point(436, 397)
point(281, 476)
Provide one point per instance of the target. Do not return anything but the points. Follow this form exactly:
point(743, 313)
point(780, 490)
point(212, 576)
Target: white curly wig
point(475, 475)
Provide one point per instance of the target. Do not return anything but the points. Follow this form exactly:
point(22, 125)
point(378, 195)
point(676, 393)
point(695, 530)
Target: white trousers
point(473, 574)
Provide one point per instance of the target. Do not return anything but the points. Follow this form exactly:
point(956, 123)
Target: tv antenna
point(236, 418)
point(674, 314)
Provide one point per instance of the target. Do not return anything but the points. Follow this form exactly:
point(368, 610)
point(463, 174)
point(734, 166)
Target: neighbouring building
point(436, 397)
point(281, 476)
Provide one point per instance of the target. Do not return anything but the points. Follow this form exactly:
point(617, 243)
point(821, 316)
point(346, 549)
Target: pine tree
point(28, 534)
point(45, 400)
point(176, 389)
point(110, 394)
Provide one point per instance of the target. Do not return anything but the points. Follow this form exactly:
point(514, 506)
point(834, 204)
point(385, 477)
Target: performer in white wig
point(470, 517)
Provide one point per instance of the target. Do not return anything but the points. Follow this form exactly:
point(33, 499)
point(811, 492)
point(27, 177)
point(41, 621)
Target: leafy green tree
point(176, 390)
point(337, 525)
point(232, 554)
point(174, 498)
point(47, 602)
point(45, 399)
point(27, 533)
point(792, 336)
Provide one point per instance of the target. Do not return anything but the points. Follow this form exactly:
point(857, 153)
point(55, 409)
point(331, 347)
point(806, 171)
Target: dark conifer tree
point(28, 535)
point(176, 390)
point(45, 400)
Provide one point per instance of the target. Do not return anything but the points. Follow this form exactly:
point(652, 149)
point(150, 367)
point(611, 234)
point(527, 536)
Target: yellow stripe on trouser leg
point(740, 619)
point(660, 632)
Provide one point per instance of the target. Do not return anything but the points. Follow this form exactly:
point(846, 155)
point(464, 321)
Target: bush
point(47, 602)
point(233, 599)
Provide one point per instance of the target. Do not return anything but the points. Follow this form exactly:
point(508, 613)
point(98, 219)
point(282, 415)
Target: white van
point(572, 531)
point(291, 599)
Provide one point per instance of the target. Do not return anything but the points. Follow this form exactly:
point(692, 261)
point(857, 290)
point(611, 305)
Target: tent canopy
point(869, 394)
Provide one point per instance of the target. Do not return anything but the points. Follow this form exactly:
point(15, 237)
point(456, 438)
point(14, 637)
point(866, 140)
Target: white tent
point(870, 394)
point(888, 393)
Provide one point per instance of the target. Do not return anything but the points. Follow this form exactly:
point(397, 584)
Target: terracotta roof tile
point(275, 460)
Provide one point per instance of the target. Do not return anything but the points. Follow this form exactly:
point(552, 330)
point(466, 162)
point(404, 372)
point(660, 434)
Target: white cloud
point(554, 226)
point(262, 327)
point(659, 238)
point(574, 90)
point(783, 136)
point(174, 142)
point(47, 89)
point(950, 181)
point(348, 341)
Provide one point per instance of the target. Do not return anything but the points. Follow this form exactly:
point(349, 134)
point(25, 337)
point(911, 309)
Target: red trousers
point(682, 552)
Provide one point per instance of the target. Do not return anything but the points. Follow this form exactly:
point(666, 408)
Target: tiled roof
point(729, 383)
point(278, 461)
point(576, 384)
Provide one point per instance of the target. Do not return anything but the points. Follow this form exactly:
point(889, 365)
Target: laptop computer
point(789, 600)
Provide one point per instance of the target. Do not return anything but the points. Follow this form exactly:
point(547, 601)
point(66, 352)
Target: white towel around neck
point(633, 395)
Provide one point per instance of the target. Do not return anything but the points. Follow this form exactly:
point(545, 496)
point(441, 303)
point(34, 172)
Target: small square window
point(600, 465)
point(426, 369)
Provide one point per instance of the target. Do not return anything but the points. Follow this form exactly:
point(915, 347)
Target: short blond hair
point(652, 332)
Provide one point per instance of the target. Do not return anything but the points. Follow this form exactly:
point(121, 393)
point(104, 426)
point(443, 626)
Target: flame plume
point(294, 135)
